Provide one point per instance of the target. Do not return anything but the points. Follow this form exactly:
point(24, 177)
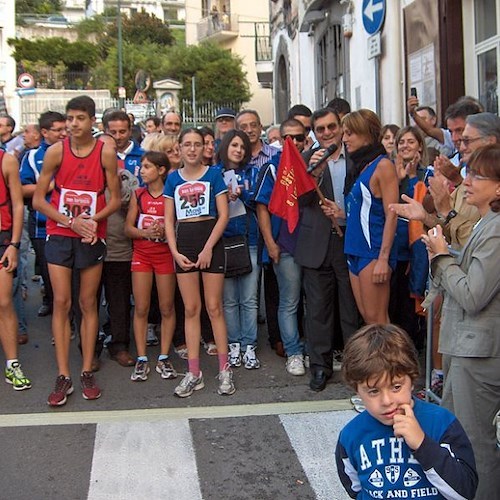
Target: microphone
point(328, 152)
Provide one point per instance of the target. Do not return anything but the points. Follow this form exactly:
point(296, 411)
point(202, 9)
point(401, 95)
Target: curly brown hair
point(376, 351)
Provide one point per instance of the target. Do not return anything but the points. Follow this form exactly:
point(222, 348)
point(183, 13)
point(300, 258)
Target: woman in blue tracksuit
point(241, 292)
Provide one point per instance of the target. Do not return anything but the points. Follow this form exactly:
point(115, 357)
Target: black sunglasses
point(297, 137)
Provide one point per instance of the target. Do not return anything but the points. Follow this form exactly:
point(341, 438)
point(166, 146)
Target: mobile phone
point(413, 91)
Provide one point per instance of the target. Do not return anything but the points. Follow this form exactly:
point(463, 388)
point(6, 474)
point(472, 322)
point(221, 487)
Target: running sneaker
point(337, 361)
point(165, 369)
point(189, 384)
point(151, 338)
point(295, 365)
point(210, 348)
point(63, 388)
point(307, 361)
point(234, 356)
point(226, 385)
point(15, 376)
point(250, 359)
point(181, 351)
point(141, 370)
point(90, 389)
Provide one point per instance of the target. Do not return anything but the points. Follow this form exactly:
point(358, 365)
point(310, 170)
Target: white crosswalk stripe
point(157, 459)
point(144, 460)
point(314, 437)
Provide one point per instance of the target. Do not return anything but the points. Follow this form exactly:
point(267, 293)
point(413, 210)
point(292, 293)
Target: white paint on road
point(144, 460)
point(314, 437)
point(160, 414)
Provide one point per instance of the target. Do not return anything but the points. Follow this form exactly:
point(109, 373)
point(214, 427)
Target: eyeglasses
point(191, 145)
point(468, 140)
point(58, 130)
point(320, 129)
point(296, 137)
point(474, 176)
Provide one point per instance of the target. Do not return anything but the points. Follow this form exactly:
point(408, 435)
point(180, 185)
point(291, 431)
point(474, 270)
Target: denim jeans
point(20, 282)
point(289, 276)
point(241, 306)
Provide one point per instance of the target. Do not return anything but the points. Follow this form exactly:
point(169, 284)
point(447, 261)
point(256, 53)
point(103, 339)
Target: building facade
point(444, 48)
point(166, 10)
point(8, 77)
point(242, 28)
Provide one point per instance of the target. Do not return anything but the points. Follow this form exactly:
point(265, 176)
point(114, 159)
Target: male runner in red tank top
point(11, 223)
point(82, 168)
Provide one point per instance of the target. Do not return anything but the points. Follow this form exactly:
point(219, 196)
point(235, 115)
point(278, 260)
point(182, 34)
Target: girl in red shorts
point(145, 225)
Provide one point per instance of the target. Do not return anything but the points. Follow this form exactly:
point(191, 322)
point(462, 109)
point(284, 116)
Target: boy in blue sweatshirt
point(400, 447)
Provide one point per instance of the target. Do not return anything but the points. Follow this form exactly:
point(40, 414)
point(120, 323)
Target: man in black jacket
point(320, 252)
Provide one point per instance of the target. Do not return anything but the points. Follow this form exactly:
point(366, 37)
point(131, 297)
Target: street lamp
point(121, 93)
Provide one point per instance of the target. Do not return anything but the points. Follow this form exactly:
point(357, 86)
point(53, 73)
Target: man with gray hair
point(248, 121)
point(457, 217)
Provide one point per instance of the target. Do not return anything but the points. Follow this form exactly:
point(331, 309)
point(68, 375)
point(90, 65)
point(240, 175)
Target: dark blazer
point(315, 227)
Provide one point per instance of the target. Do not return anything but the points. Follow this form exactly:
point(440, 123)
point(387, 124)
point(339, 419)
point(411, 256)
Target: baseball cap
point(225, 112)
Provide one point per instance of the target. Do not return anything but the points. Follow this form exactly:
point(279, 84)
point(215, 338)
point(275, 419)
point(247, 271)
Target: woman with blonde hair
point(371, 226)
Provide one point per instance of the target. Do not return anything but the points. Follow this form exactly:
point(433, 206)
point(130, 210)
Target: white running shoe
point(234, 356)
point(226, 385)
point(295, 365)
point(189, 384)
point(250, 359)
point(141, 370)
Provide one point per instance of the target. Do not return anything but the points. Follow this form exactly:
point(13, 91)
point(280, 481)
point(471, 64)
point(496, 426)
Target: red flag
point(292, 181)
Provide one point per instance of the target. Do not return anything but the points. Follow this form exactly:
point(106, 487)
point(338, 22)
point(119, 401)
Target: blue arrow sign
point(373, 15)
point(22, 92)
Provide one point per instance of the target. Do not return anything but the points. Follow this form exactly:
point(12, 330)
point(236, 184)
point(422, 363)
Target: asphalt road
point(273, 439)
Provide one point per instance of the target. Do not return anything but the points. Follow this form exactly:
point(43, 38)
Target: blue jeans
point(289, 276)
point(20, 282)
point(240, 305)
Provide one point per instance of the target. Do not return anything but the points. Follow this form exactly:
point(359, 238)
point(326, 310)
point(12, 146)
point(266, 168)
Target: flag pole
point(322, 201)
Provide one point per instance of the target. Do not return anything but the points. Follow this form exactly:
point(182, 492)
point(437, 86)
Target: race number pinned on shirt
point(147, 220)
point(192, 199)
point(73, 203)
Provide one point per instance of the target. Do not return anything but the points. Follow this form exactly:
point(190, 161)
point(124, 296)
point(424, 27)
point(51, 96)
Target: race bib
point(192, 199)
point(73, 203)
point(146, 220)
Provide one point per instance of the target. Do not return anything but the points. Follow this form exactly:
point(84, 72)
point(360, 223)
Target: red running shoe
point(90, 390)
point(63, 388)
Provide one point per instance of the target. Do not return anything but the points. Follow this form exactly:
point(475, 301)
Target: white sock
point(10, 362)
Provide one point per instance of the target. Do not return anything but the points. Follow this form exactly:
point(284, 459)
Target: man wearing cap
point(224, 121)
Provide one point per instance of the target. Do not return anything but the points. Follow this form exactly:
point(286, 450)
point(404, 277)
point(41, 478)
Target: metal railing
point(210, 25)
point(205, 111)
point(54, 78)
point(263, 49)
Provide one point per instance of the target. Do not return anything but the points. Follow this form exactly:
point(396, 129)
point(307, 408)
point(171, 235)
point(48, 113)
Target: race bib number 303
point(192, 199)
point(73, 203)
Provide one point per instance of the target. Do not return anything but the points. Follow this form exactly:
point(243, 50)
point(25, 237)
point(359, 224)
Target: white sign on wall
point(422, 75)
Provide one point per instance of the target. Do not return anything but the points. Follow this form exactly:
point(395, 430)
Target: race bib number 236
point(192, 199)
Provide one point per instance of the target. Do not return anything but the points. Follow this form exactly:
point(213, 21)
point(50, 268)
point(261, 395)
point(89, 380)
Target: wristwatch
point(16, 244)
point(451, 214)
